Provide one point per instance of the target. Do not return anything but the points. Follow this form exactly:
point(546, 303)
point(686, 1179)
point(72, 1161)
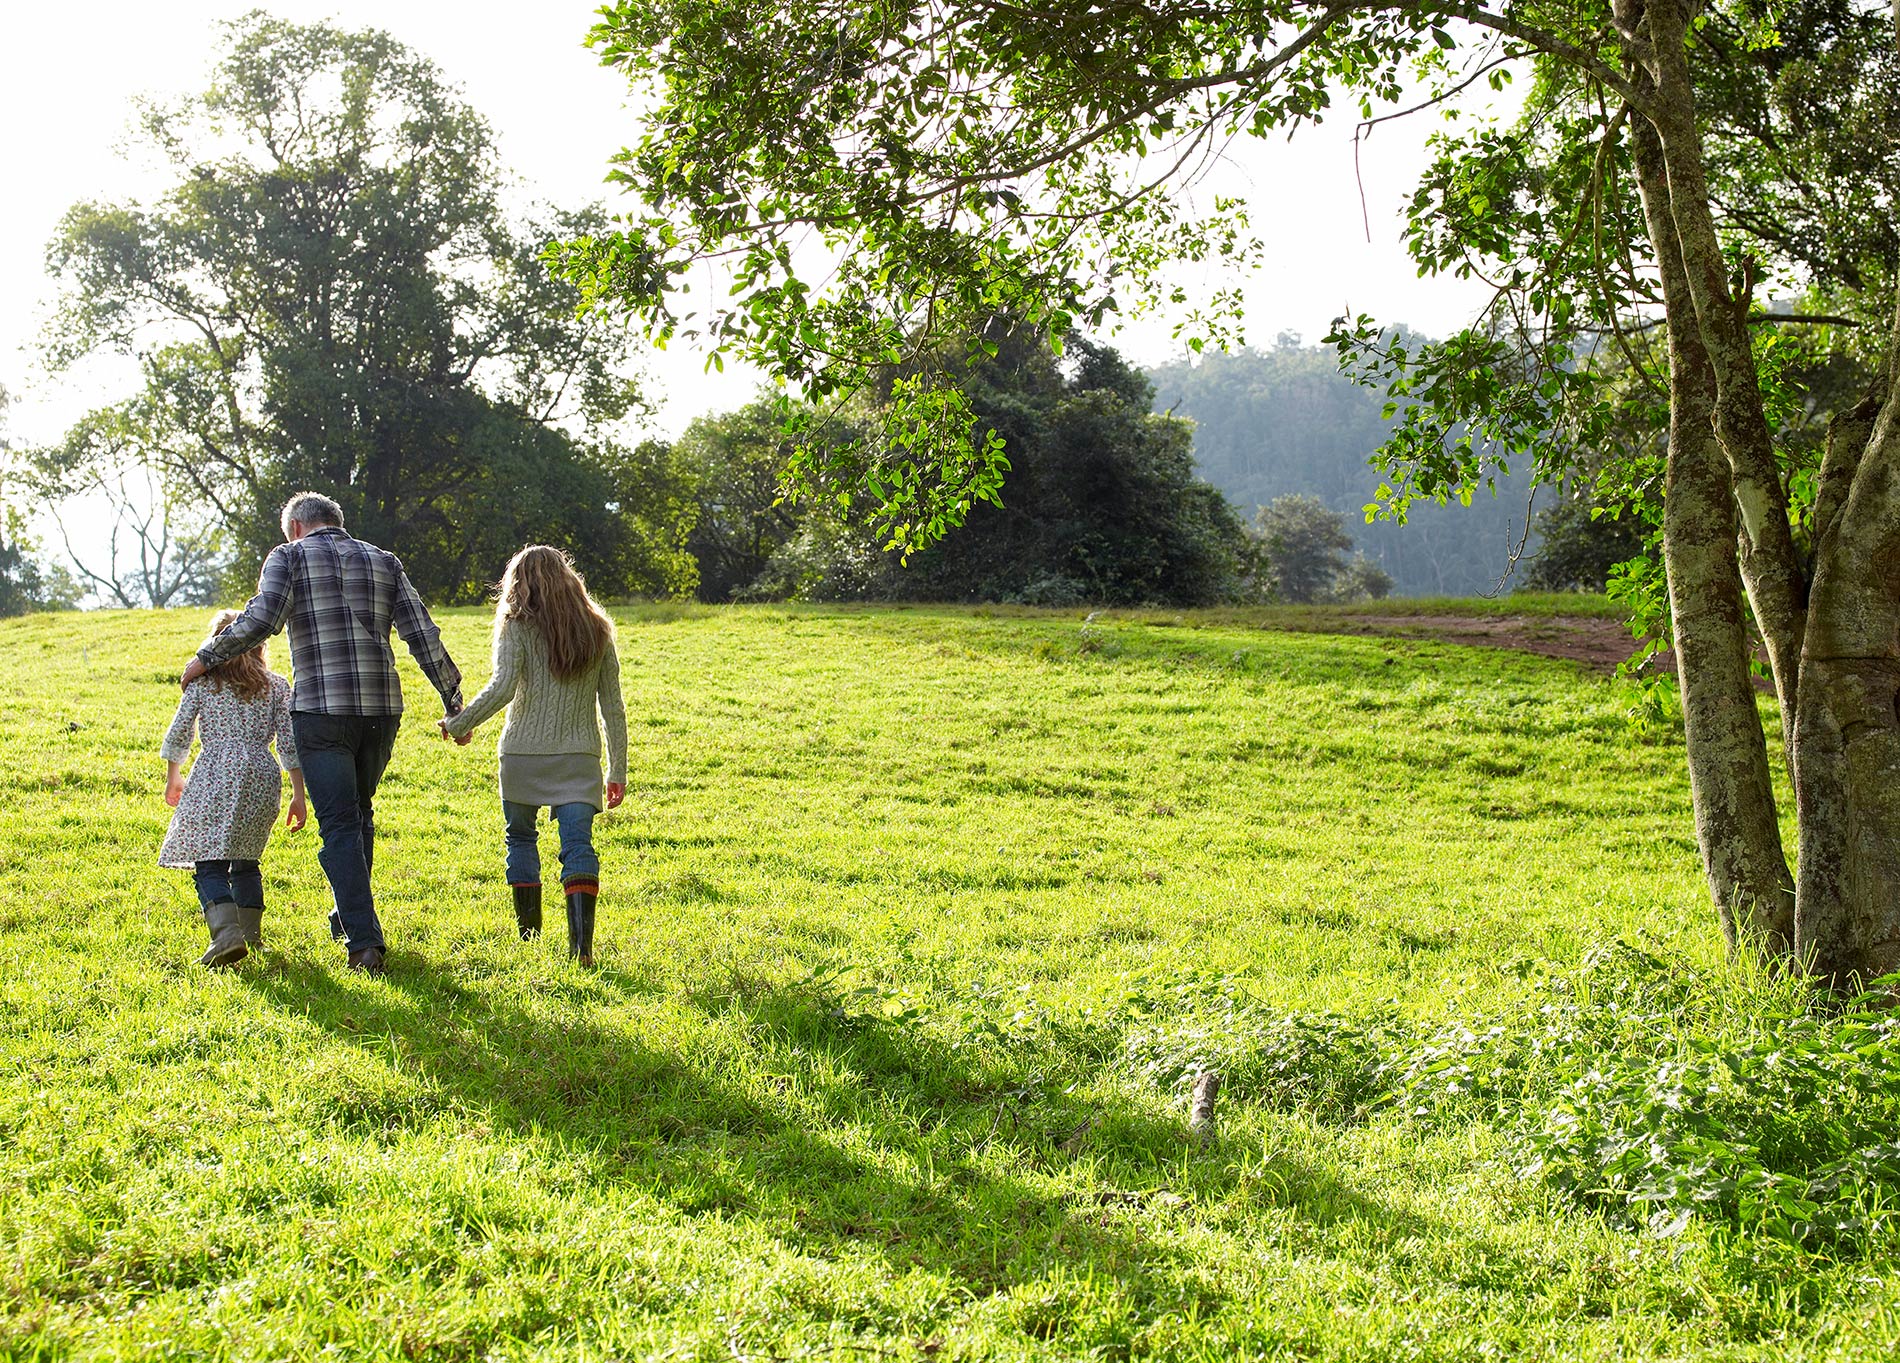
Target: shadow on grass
point(841, 1136)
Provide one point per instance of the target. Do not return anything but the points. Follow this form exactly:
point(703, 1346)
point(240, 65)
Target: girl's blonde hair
point(541, 588)
point(248, 674)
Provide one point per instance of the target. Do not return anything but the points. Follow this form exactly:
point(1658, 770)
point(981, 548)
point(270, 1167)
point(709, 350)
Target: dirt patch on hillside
point(1601, 645)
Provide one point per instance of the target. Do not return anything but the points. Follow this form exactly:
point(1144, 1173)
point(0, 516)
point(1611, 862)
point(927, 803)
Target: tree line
point(335, 293)
point(347, 303)
point(1102, 504)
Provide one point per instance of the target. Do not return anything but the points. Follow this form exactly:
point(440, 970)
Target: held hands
point(297, 815)
point(442, 726)
point(616, 792)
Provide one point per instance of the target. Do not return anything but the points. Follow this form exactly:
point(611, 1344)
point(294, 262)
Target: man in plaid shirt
point(340, 597)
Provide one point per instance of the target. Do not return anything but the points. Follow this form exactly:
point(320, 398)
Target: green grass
point(1527, 605)
point(1543, 607)
point(851, 1079)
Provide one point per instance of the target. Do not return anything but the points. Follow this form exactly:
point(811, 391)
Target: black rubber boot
point(580, 926)
point(527, 910)
point(227, 934)
point(251, 921)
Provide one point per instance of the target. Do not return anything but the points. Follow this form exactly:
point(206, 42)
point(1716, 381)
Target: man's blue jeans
point(578, 859)
point(229, 882)
point(343, 758)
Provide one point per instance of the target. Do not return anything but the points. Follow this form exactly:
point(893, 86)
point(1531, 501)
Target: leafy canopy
point(1569, 359)
point(880, 176)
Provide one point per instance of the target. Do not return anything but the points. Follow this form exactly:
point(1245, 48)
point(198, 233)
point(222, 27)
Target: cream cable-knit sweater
point(547, 714)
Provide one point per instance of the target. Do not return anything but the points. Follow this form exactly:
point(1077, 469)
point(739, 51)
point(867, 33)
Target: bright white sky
point(67, 80)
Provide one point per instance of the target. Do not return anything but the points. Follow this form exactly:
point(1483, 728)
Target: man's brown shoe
point(369, 960)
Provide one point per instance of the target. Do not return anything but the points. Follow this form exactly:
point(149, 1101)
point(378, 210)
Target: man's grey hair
point(311, 508)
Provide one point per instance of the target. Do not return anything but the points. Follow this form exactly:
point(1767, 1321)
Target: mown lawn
point(891, 894)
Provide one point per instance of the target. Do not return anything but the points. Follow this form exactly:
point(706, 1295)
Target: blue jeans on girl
point(579, 862)
point(229, 882)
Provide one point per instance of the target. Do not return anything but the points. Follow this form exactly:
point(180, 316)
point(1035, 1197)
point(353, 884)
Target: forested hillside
point(1279, 421)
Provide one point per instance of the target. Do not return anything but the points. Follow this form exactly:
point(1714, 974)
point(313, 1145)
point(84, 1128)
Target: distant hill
point(1271, 422)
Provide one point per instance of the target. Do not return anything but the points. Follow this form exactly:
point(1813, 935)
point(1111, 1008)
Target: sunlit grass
point(850, 1079)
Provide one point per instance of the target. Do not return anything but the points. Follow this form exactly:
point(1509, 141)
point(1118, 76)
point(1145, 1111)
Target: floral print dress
point(233, 792)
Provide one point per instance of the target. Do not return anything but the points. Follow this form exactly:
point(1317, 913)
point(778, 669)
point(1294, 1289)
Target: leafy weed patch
point(1641, 1087)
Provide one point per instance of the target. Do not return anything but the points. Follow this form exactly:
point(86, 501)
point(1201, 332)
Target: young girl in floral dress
point(558, 674)
point(224, 814)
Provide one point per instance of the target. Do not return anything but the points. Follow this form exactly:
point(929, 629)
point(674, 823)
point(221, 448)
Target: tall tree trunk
point(1729, 780)
point(1772, 570)
point(1847, 729)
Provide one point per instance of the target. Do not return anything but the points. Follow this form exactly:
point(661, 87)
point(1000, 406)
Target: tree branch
point(1551, 45)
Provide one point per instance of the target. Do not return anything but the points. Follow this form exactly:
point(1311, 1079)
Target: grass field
point(910, 924)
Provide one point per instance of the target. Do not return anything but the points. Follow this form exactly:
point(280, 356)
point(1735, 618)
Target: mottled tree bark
point(1771, 569)
point(1729, 780)
point(1847, 728)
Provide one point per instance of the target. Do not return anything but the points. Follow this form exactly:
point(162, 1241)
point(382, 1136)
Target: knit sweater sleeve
point(177, 744)
point(614, 711)
point(501, 686)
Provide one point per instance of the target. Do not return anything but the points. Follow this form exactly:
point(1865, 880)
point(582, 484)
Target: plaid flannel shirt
point(340, 597)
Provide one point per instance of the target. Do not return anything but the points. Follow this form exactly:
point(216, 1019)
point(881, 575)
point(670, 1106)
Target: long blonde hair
point(541, 588)
point(248, 675)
